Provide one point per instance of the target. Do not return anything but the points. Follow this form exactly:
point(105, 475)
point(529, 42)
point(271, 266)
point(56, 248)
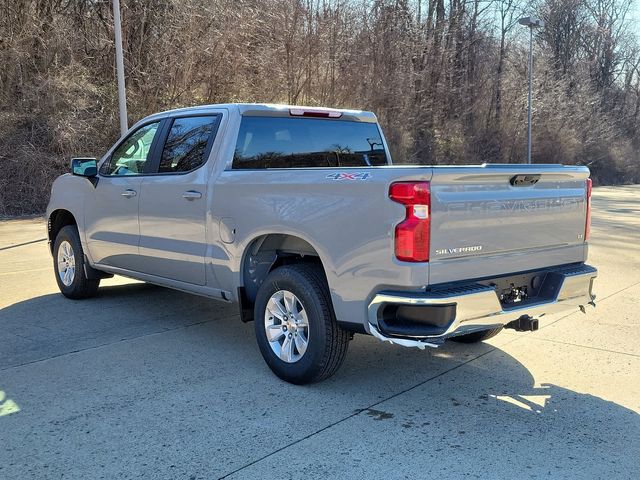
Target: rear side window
point(280, 142)
point(188, 144)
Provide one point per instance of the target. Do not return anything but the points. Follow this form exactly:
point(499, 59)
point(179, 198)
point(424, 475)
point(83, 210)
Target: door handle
point(129, 193)
point(191, 195)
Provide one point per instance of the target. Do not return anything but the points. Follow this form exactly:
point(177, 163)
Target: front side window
point(281, 142)
point(187, 144)
point(132, 154)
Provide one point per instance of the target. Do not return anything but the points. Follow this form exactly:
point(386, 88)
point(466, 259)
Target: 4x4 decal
point(349, 176)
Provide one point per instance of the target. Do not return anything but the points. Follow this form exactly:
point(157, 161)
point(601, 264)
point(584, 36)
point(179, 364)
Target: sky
point(635, 17)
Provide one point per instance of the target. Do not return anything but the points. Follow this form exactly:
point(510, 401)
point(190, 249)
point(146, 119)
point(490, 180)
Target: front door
point(173, 203)
point(111, 213)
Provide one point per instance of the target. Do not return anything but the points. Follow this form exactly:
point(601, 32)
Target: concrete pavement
point(145, 382)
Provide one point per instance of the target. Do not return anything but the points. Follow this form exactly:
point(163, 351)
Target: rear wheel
point(295, 326)
point(476, 337)
point(68, 263)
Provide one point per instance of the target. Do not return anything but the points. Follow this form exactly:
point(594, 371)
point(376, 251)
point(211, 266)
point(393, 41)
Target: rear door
point(111, 210)
point(173, 203)
point(497, 219)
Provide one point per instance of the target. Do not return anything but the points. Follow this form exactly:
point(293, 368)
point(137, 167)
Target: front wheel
point(68, 263)
point(295, 325)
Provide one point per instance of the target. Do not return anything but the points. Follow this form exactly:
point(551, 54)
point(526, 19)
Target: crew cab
point(299, 216)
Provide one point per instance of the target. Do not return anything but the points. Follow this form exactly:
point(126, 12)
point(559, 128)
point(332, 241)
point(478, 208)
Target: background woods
point(447, 78)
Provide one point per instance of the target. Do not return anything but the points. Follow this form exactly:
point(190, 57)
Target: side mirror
point(84, 167)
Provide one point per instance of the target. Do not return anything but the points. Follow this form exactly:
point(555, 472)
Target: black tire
point(327, 342)
point(476, 337)
point(81, 287)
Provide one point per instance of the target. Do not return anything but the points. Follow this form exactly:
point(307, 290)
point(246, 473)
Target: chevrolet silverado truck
point(298, 215)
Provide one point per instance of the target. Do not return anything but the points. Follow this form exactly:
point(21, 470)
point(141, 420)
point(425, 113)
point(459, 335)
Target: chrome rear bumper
point(477, 307)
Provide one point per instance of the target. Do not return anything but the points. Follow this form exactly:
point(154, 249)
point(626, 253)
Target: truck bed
point(481, 224)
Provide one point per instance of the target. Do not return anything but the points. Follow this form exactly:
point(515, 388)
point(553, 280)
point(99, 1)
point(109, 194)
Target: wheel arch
point(58, 219)
point(262, 255)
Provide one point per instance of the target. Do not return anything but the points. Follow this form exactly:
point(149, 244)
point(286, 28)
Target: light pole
point(531, 22)
point(122, 97)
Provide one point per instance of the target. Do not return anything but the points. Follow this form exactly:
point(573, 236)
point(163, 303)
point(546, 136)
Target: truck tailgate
point(496, 219)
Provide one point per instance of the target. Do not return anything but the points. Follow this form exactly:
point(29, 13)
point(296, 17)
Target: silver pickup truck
point(297, 215)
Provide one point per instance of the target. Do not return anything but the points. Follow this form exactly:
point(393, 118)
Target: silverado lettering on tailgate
point(450, 251)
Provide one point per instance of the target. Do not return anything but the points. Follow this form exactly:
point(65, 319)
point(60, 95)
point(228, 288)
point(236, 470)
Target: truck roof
point(269, 109)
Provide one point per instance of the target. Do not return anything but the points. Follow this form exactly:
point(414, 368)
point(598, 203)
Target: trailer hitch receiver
point(524, 324)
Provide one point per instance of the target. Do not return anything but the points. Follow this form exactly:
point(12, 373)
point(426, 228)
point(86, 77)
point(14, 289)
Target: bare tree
point(447, 78)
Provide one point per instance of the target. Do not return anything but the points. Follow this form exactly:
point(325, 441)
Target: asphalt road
point(145, 382)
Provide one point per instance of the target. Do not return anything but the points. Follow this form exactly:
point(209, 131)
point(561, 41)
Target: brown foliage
point(446, 78)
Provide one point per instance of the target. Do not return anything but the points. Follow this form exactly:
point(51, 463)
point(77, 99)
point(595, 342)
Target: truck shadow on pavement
point(170, 361)
point(52, 325)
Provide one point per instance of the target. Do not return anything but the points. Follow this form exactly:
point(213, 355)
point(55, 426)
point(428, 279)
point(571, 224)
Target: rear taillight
point(412, 234)
point(587, 224)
